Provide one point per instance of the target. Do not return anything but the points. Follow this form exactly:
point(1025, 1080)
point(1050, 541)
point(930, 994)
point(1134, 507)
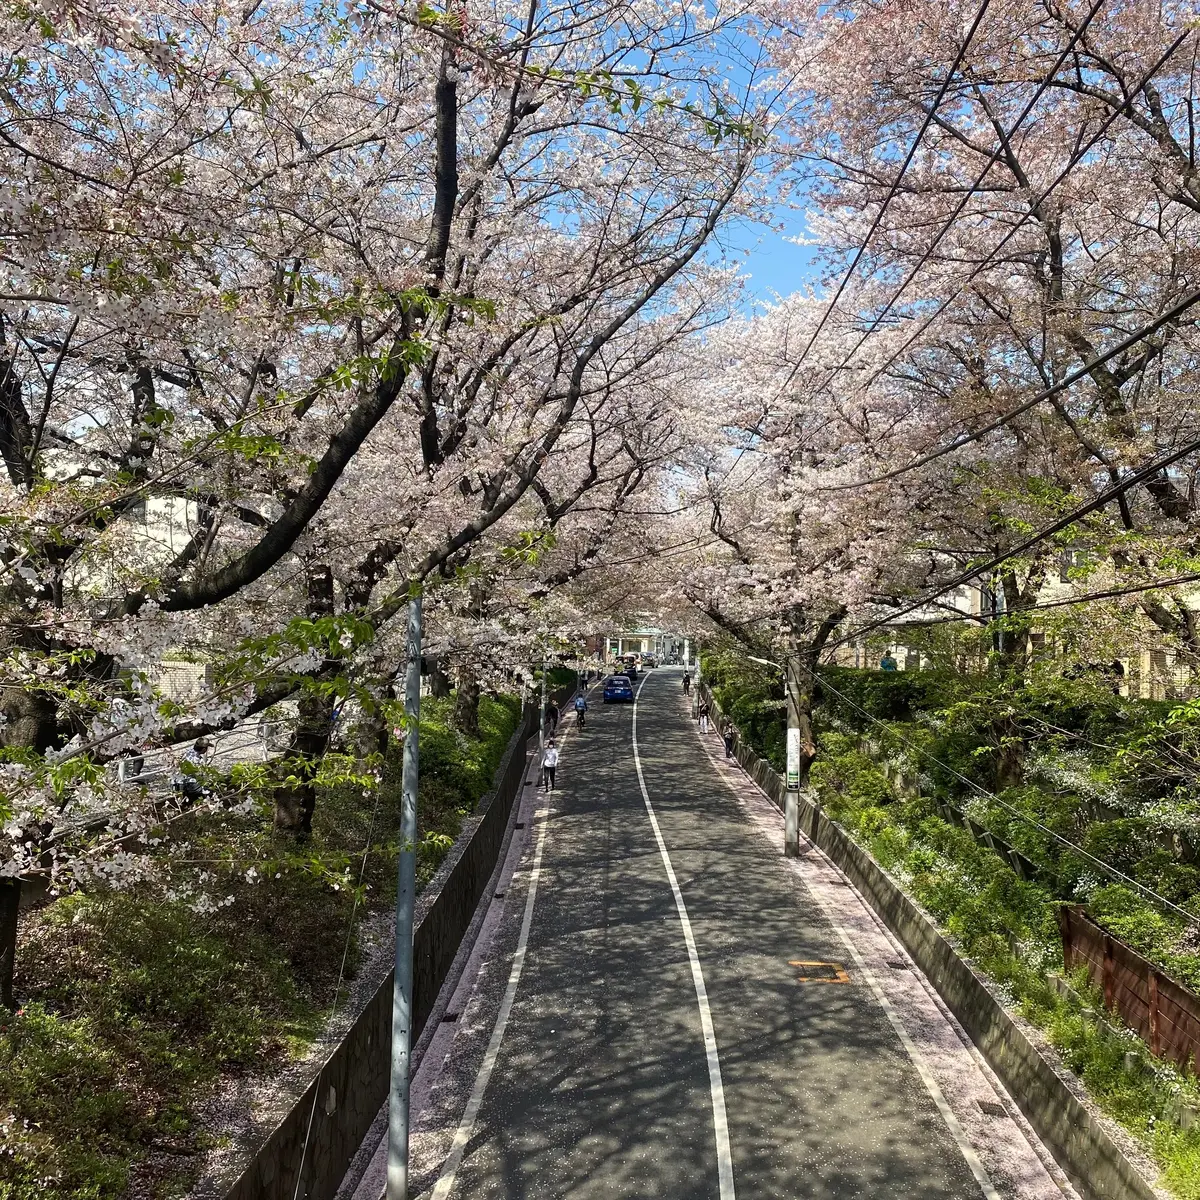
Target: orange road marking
point(835, 972)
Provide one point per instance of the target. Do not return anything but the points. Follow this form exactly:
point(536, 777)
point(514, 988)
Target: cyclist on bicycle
point(580, 708)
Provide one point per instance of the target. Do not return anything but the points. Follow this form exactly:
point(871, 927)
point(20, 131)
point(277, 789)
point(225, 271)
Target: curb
point(1080, 1144)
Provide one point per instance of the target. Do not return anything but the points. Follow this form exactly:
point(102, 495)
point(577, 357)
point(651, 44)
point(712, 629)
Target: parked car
point(618, 688)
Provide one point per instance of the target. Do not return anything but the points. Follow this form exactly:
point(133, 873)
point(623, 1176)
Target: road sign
point(793, 760)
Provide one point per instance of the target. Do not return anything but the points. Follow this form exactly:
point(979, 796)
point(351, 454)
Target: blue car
point(617, 687)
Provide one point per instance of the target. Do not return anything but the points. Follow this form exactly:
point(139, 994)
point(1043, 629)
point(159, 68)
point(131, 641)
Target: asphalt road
point(601, 1082)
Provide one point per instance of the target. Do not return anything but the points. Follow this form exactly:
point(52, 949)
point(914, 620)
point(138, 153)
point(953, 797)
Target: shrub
point(138, 1004)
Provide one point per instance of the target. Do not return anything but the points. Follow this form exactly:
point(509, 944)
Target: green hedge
point(1008, 927)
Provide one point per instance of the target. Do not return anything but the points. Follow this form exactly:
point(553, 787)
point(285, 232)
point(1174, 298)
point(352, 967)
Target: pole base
point(791, 825)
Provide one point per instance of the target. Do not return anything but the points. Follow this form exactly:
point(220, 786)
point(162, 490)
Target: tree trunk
point(31, 720)
point(808, 743)
point(10, 901)
point(1013, 665)
point(296, 793)
point(809, 647)
point(439, 682)
point(466, 705)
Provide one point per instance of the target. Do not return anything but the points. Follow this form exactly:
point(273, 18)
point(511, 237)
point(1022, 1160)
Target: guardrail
point(263, 740)
point(1164, 1013)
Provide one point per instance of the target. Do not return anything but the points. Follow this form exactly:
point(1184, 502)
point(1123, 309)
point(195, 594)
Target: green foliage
point(452, 759)
point(139, 1006)
point(751, 695)
point(138, 1003)
point(529, 547)
point(1068, 736)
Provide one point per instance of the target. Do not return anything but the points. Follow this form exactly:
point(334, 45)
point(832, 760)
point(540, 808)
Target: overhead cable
point(912, 150)
point(1044, 83)
point(1067, 602)
point(945, 303)
point(1117, 489)
point(1173, 313)
point(1107, 868)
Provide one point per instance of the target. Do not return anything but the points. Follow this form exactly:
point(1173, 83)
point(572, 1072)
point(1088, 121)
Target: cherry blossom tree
point(300, 309)
point(1044, 222)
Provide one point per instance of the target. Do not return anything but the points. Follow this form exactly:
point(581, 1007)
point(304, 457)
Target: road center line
point(716, 1087)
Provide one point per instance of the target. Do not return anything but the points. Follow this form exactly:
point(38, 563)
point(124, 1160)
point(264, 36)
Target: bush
point(138, 1005)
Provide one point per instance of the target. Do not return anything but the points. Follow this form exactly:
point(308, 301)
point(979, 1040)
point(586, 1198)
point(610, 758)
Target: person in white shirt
point(549, 762)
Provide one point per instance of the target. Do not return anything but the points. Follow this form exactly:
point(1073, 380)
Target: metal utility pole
point(406, 894)
point(791, 806)
point(699, 673)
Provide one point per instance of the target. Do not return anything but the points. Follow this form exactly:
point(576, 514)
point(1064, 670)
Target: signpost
point(791, 807)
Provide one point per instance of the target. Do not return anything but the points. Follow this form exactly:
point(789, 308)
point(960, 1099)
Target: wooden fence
point(1164, 1013)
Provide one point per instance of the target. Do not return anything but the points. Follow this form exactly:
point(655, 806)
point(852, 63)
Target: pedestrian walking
point(687, 683)
point(549, 763)
point(887, 662)
point(552, 715)
point(728, 735)
point(703, 717)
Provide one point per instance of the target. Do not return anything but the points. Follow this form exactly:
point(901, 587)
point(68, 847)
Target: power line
point(895, 186)
point(1107, 594)
point(1100, 501)
point(974, 188)
point(1175, 311)
point(1107, 868)
point(1074, 158)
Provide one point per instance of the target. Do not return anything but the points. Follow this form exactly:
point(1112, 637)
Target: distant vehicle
point(629, 665)
point(618, 688)
point(649, 661)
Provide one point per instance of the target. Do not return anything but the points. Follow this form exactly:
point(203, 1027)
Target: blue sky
point(774, 264)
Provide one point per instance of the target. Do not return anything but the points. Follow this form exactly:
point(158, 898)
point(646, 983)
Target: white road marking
point(720, 1123)
point(918, 1061)
point(927, 1078)
point(466, 1126)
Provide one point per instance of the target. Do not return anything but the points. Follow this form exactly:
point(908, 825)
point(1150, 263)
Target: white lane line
point(466, 1126)
point(918, 1061)
point(927, 1078)
point(716, 1087)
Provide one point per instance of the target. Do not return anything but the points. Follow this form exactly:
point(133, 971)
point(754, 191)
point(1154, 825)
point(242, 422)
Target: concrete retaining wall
point(1079, 1143)
point(311, 1146)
